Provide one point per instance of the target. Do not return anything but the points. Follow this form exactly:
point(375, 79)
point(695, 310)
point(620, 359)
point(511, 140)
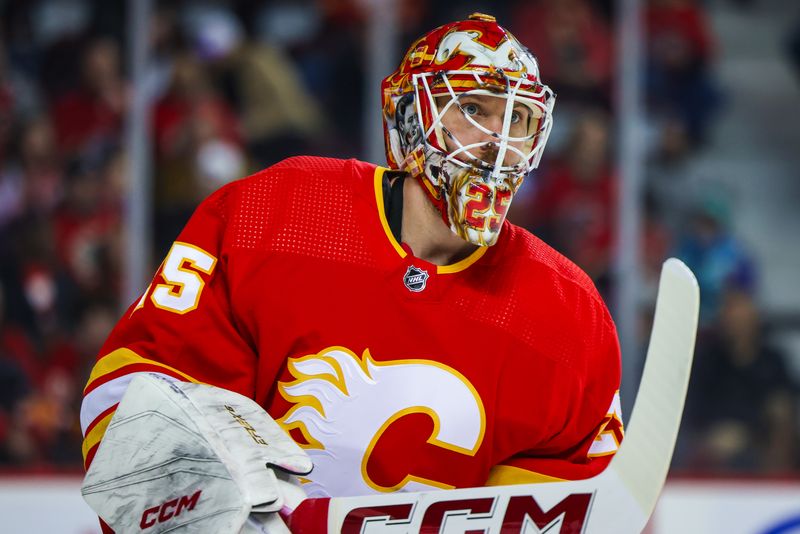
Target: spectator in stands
point(680, 51)
point(741, 412)
point(573, 206)
point(716, 256)
point(574, 47)
point(167, 41)
point(19, 101)
point(192, 116)
point(329, 59)
point(40, 166)
point(278, 115)
point(657, 241)
point(92, 113)
point(15, 350)
point(86, 225)
point(40, 360)
point(571, 203)
point(47, 416)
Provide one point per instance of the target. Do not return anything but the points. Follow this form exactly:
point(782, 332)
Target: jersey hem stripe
point(110, 392)
point(504, 475)
point(120, 358)
point(87, 462)
point(110, 409)
point(94, 436)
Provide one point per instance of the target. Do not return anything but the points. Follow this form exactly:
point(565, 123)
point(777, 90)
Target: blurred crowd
point(239, 85)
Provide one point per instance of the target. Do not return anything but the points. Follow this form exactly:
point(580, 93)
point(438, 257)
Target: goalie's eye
point(471, 108)
point(521, 114)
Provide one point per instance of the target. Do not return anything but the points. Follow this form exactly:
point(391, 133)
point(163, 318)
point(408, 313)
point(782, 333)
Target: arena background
point(677, 132)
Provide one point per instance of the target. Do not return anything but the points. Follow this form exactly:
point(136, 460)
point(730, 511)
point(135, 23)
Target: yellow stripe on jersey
point(96, 434)
point(463, 264)
point(503, 475)
point(112, 362)
point(379, 200)
point(440, 269)
point(123, 357)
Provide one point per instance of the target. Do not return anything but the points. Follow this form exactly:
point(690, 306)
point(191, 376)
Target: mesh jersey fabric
point(504, 368)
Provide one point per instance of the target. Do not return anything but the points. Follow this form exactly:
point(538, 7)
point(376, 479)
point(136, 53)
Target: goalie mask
point(466, 114)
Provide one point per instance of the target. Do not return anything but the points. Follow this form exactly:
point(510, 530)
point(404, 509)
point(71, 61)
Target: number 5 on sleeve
point(180, 292)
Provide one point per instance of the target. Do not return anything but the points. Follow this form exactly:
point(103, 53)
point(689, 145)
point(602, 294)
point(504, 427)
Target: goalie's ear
point(178, 456)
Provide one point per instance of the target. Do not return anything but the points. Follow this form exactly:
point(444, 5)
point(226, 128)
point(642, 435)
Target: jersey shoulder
point(306, 205)
point(535, 256)
point(565, 312)
point(311, 175)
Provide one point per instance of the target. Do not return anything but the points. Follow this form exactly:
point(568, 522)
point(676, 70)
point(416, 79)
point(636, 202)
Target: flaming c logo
point(343, 403)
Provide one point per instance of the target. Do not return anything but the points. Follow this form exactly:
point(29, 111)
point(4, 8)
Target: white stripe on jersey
point(103, 397)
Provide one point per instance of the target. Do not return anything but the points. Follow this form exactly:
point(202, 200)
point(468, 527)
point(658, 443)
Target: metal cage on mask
point(455, 85)
point(474, 193)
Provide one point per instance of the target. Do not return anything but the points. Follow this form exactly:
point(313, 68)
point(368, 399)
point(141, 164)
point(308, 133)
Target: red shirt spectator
point(573, 44)
point(677, 30)
point(95, 110)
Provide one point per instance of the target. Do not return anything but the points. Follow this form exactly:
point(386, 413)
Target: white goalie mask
point(466, 114)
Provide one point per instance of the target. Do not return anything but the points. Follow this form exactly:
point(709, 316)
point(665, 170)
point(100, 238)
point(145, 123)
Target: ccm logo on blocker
point(168, 510)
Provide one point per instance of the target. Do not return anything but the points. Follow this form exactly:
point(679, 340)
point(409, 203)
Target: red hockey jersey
point(395, 374)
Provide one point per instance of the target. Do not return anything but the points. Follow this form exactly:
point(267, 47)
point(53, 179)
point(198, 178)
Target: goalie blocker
point(183, 457)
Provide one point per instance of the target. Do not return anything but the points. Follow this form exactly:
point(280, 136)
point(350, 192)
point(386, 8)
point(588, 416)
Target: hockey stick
point(618, 501)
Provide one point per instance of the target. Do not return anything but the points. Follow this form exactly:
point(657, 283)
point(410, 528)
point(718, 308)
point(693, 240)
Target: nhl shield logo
point(415, 279)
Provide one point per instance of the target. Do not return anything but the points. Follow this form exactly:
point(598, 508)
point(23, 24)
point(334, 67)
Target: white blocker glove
point(189, 458)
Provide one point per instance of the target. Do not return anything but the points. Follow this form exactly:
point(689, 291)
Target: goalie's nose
point(489, 150)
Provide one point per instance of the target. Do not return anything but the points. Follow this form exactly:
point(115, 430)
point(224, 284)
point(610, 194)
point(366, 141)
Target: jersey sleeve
point(581, 418)
point(182, 327)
